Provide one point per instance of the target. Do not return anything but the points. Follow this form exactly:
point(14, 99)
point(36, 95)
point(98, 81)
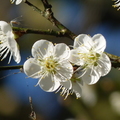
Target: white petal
point(77, 89)
point(83, 39)
point(75, 57)
point(64, 71)
point(99, 42)
point(79, 72)
point(62, 51)
point(91, 76)
point(14, 49)
point(5, 27)
point(31, 68)
point(67, 84)
point(49, 83)
point(12, 1)
point(105, 64)
point(42, 48)
point(18, 2)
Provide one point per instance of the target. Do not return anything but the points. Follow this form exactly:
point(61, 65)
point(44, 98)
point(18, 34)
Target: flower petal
point(99, 42)
point(14, 49)
point(31, 68)
point(5, 27)
point(77, 89)
point(18, 2)
point(105, 64)
point(75, 57)
point(67, 84)
point(64, 71)
point(42, 48)
point(91, 76)
point(83, 39)
point(49, 83)
point(62, 51)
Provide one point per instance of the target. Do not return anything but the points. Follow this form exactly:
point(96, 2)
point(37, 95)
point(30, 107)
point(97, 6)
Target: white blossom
point(50, 64)
point(74, 85)
point(117, 4)
point(17, 2)
point(88, 53)
point(8, 43)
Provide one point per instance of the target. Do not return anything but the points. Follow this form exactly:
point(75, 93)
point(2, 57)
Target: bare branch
point(48, 14)
point(46, 4)
point(51, 32)
point(10, 67)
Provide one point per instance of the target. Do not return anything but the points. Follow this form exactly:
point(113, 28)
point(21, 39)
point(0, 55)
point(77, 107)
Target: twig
point(48, 14)
point(10, 67)
point(46, 4)
point(36, 31)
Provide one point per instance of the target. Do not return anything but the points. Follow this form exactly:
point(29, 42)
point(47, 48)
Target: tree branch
point(48, 14)
point(51, 32)
point(10, 67)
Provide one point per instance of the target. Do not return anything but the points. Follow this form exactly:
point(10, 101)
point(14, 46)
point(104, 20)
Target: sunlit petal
point(31, 68)
point(5, 27)
point(14, 49)
point(42, 48)
point(48, 83)
point(91, 76)
point(99, 42)
point(83, 39)
point(62, 51)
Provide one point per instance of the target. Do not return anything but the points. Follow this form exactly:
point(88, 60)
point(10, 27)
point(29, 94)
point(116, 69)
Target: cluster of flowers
point(56, 65)
point(117, 4)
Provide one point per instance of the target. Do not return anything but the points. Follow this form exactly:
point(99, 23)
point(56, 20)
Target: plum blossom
point(117, 4)
point(88, 53)
point(50, 64)
point(8, 43)
point(17, 2)
point(76, 87)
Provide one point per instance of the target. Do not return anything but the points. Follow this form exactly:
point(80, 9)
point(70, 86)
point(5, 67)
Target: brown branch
point(11, 67)
point(22, 31)
point(48, 14)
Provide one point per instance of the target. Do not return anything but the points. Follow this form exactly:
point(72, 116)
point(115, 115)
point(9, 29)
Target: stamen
point(12, 1)
point(10, 57)
point(5, 55)
point(40, 79)
point(59, 89)
point(62, 76)
point(39, 53)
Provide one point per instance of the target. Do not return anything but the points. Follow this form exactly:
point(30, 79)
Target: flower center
point(90, 58)
point(49, 64)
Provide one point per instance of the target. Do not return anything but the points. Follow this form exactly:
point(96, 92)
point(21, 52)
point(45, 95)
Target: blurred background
point(98, 102)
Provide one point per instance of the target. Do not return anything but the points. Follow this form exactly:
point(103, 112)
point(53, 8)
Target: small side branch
point(46, 4)
point(48, 14)
point(51, 32)
point(10, 67)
